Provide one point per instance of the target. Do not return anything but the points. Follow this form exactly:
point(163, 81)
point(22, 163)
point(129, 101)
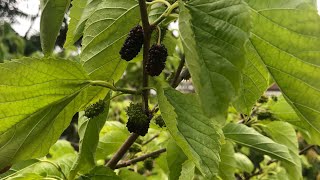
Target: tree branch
point(122, 150)
point(306, 149)
point(151, 139)
point(141, 158)
point(175, 80)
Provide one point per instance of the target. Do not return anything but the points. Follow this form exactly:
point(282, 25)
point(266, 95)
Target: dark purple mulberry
point(132, 44)
point(156, 60)
point(138, 122)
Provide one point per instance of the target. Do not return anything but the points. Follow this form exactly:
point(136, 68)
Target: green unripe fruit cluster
point(160, 122)
point(95, 109)
point(138, 121)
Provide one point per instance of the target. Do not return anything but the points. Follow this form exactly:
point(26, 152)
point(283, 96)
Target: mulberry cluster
point(156, 60)
point(138, 122)
point(148, 164)
point(132, 44)
point(160, 122)
point(95, 109)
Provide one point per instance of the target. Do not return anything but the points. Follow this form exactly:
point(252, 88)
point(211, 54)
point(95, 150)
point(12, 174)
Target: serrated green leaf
point(38, 98)
point(197, 135)
point(244, 164)
point(255, 81)
point(104, 34)
point(115, 134)
point(79, 14)
point(249, 137)
point(126, 174)
point(89, 130)
point(227, 166)
point(284, 133)
point(175, 159)
point(213, 34)
point(52, 15)
point(283, 111)
point(100, 173)
point(289, 48)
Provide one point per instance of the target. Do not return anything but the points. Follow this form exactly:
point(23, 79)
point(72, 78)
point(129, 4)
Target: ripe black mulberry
point(138, 121)
point(95, 109)
point(132, 44)
point(156, 60)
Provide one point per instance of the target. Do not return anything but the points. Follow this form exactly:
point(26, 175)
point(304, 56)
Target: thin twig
point(122, 150)
point(306, 149)
point(151, 139)
point(141, 158)
point(174, 81)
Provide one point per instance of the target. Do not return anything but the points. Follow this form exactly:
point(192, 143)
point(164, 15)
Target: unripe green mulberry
point(148, 164)
point(132, 44)
point(138, 122)
point(156, 59)
point(160, 122)
point(95, 109)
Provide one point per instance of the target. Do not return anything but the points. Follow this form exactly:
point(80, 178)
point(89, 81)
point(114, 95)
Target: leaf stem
point(123, 90)
point(141, 158)
point(166, 13)
point(159, 1)
point(174, 83)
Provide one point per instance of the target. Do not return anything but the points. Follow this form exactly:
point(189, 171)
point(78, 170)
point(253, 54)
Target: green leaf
point(89, 130)
point(79, 14)
point(227, 166)
point(104, 34)
point(255, 81)
point(175, 159)
point(126, 174)
point(249, 137)
point(47, 167)
point(26, 176)
point(283, 111)
point(100, 173)
point(213, 34)
point(289, 48)
point(110, 141)
point(38, 98)
point(52, 15)
point(284, 133)
point(197, 135)
point(187, 172)
point(244, 164)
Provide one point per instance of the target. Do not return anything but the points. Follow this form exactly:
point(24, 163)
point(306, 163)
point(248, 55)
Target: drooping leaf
point(175, 159)
point(227, 166)
point(38, 98)
point(283, 111)
point(289, 48)
point(213, 34)
point(100, 173)
point(255, 81)
point(187, 172)
point(243, 163)
point(249, 137)
point(197, 135)
point(115, 134)
point(89, 130)
point(79, 14)
point(284, 133)
point(104, 34)
point(52, 15)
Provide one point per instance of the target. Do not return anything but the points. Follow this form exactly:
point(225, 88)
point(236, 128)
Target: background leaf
point(244, 164)
point(227, 166)
point(249, 137)
point(175, 160)
point(289, 48)
point(52, 15)
point(284, 133)
point(187, 172)
point(198, 136)
point(38, 98)
point(213, 34)
point(89, 130)
point(100, 173)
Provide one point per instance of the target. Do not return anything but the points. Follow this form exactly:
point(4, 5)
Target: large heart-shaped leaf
point(50, 23)
point(213, 34)
point(249, 137)
point(196, 134)
point(38, 98)
point(290, 49)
